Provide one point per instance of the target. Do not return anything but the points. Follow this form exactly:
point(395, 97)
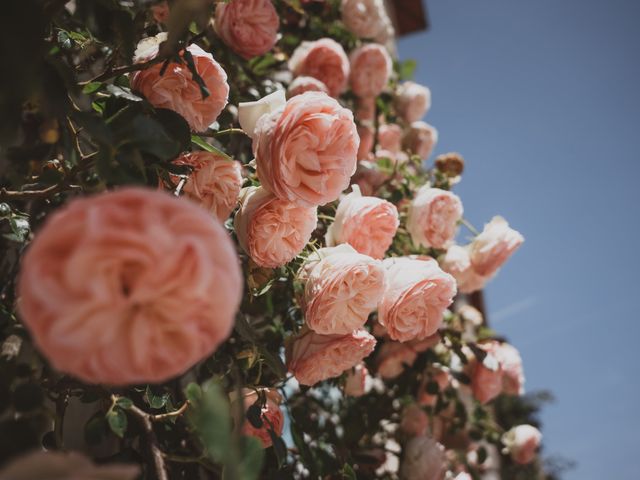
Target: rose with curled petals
point(214, 183)
point(412, 101)
point(522, 442)
point(305, 84)
point(323, 59)
point(493, 247)
point(272, 231)
point(390, 137)
point(124, 287)
point(341, 290)
point(417, 292)
point(433, 217)
point(365, 18)
point(371, 68)
point(366, 223)
point(306, 151)
point(457, 263)
point(420, 139)
point(312, 357)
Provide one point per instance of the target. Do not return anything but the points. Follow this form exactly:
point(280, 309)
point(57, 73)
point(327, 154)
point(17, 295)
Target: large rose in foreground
point(125, 287)
point(306, 151)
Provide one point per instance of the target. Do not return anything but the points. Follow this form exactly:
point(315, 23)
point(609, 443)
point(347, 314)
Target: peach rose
point(124, 287)
point(420, 139)
point(499, 372)
point(416, 295)
point(458, 263)
point(324, 60)
point(365, 109)
point(64, 466)
point(365, 18)
point(522, 443)
point(438, 374)
point(423, 459)
point(177, 91)
point(486, 379)
point(415, 421)
point(433, 217)
point(511, 362)
point(313, 358)
point(366, 142)
point(268, 400)
point(248, 27)
point(371, 68)
point(390, 137)
point(214, 183)
point(305, 84)
point(355, 383)
point(306, 151)
point(493, 247)
point(368, 177)
point(368, 224)
point(272, 231)
point(160, 11)
point(341, 291)
point(393, 358)
point(412, 101)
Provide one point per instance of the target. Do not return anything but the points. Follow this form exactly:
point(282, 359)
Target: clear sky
point(542, 97)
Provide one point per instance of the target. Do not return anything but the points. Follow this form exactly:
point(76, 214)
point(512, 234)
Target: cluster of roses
point(138, 285)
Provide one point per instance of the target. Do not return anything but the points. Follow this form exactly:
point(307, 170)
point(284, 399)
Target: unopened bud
point(451, 164)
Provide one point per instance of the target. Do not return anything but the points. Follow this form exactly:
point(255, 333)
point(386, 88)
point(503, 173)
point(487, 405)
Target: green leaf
point(407, 69)
point(155, 400)
point(211, 419)
point(117, 421)
point(193, 392)
point(208, 147)
point(273, 361)
point(279, 447)
point(124, 402)
point(348, 473)
point(92, 87)
point(252, 458)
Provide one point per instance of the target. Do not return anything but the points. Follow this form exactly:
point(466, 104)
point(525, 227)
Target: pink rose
point(416, 295)
point(272, 231)
point(433, 217)
point(439, 375)
point(499, 372)
point(458, 263)
point(356, 381)
point(124, 287)
point(393, 358)
point(368, 224)
point(366, 142)
point(371, 68)
point(341, 291)
point(313, 358)
point(522, 443)
point(493, 247)
point(415, 421)
point(412, 101)
point(160, 11)
point(268, 400)
point(423, 459)
point(365, 18)
point(248, 27)
point(365, 109)
point(368, 177)
point(65, 466)
point(306, 152)
point(511, 362)
point(324, 60)
point(177, 91)
point(305, 84)
point(390, 137)
point(214, 183)
point(463, 476)
point(420, 139)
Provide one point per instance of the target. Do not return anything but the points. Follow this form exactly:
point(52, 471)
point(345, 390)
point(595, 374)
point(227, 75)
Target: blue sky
point(542, 97)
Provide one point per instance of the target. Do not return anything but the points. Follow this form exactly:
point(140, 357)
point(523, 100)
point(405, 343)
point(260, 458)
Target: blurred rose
point(313, 358)
point(124, 287)
point(416, 295)
point(160, 11)
point(441, 377)
point(368, 177)
point(248, 27)
point(268, 400)
point(420, 139)
point(371, 68)
point(341, 291)
point(176, 90)
point(366, 142)
point(272, 231)
point(493, 247)
point(423, 459)
point(365, 18)
point(306, 152)
point(393, 358)
point(433, 217)
point(457, 263)
point(511, 363)
point(65, 466)
point(214, 183)
point(365, 109)
point(324, 60)
point(412, 101)
point(368, 224)
point(356, 381)
point(500, 372)
point(305, 84)
point(522, 443)
point(390, 137)
point(415, 421)
point(463, 476)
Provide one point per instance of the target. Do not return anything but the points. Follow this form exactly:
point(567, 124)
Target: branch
point(164, 416)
